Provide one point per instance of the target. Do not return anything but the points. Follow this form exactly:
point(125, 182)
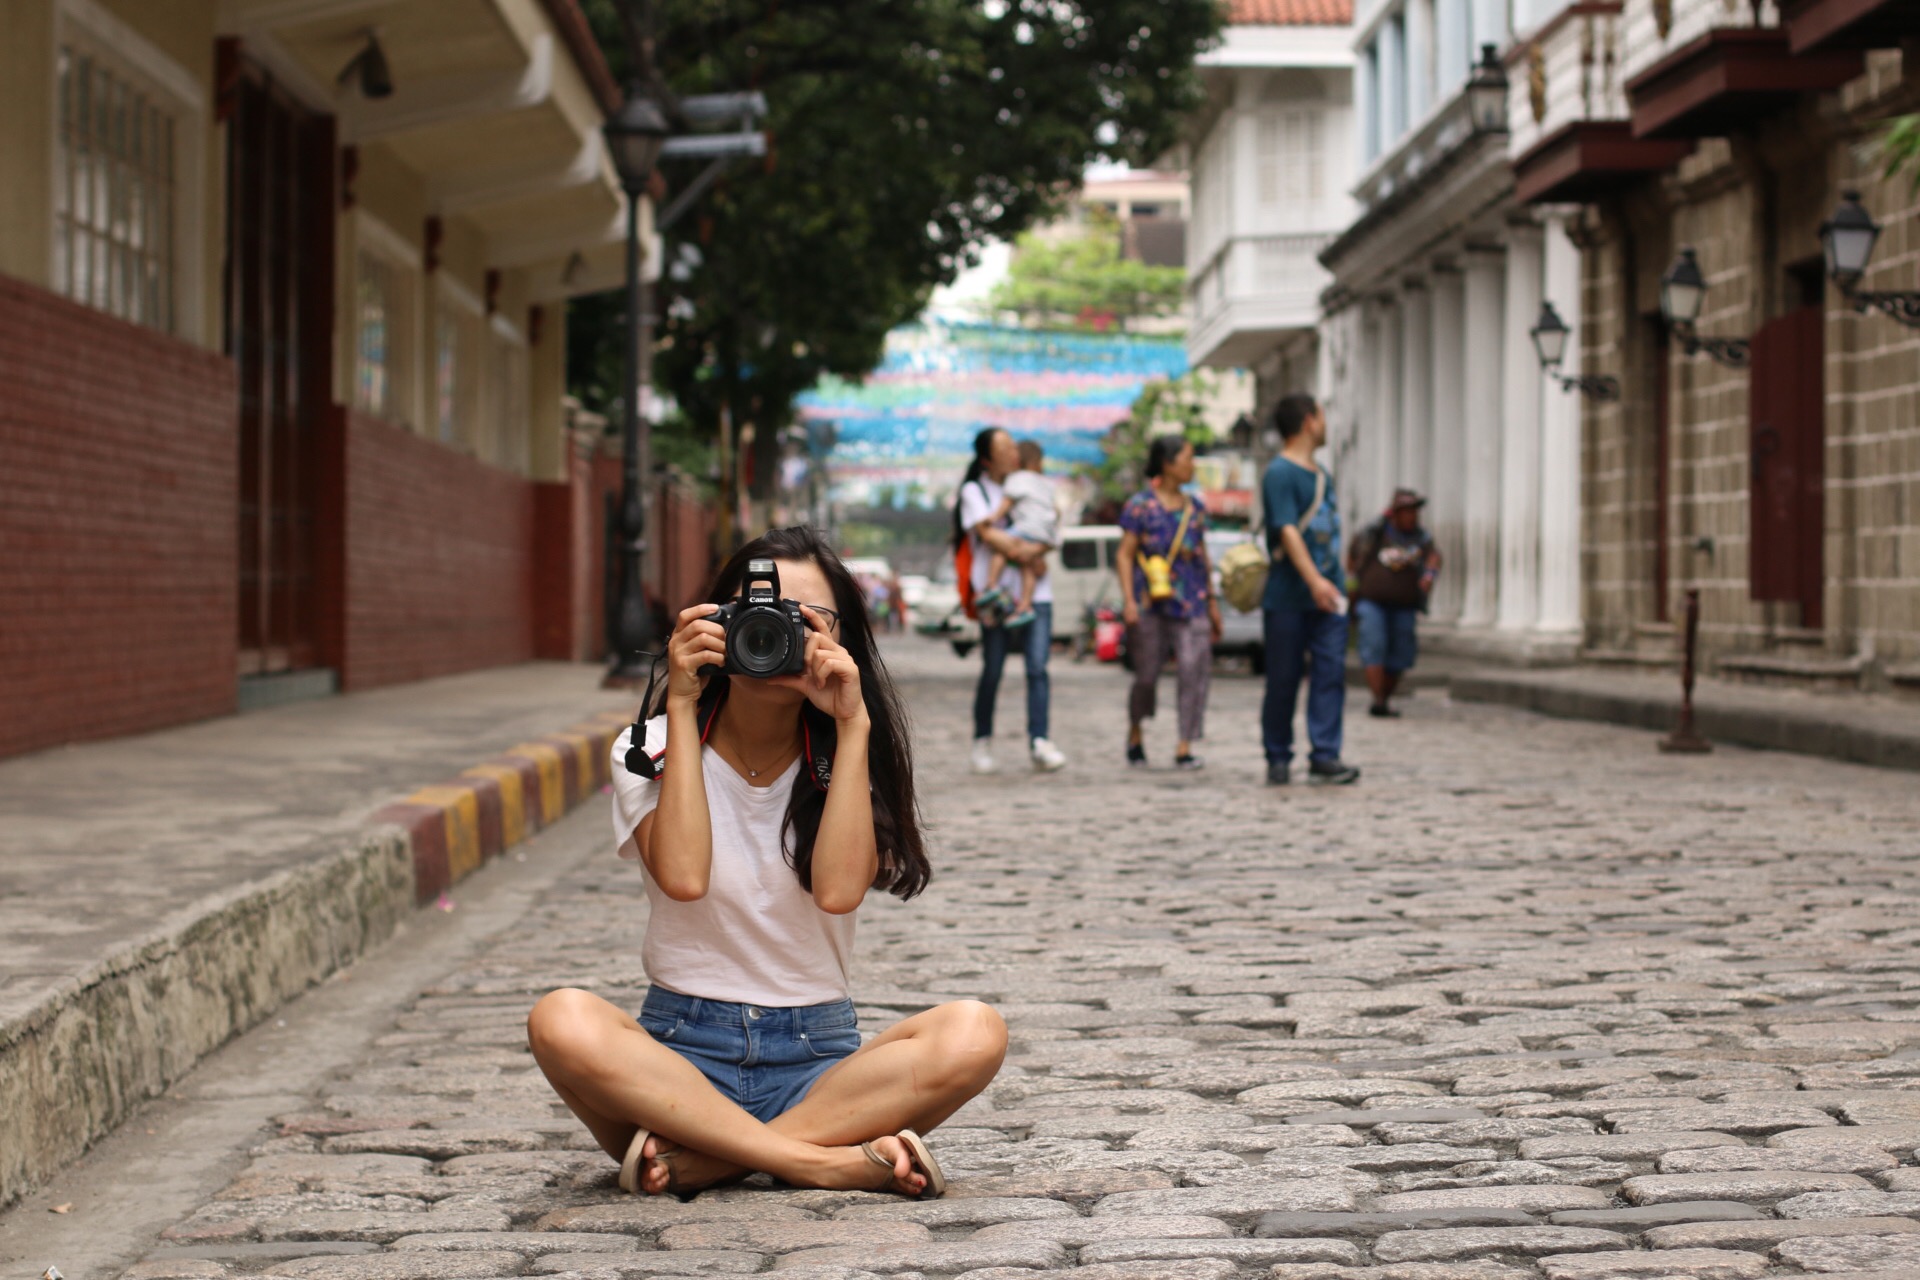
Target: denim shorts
point(1388, 635)
point(762, 1058)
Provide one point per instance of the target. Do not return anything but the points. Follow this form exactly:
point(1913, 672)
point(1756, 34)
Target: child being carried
point(1028, 506)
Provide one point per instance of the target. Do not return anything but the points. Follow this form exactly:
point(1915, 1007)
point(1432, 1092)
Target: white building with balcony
point(1271, 164)
point(1433, 378)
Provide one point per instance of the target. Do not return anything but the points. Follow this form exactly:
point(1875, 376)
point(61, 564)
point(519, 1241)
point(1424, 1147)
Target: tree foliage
point(1082, 280)
point(1902, 148)
point(1163, 405)
point(905, 136)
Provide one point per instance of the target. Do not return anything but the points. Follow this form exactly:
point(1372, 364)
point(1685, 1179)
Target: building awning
point(1587, 159)
point(1849, 24)
point(1717, 84)
point(496, 109)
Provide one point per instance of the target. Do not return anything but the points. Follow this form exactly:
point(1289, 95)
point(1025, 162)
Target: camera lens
point(760, 642)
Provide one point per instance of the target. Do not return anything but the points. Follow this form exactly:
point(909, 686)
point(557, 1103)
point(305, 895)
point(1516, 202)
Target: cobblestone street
point(1530, 1000)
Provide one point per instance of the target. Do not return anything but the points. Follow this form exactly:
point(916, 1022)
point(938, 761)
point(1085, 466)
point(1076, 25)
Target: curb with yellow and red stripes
point(457, 825)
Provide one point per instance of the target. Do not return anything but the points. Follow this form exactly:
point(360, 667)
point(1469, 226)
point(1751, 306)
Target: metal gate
point(1786, 560)
point(279, 321)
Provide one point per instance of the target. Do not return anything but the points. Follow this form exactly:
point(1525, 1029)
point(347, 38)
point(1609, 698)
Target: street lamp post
point(635, 136)
point(1848, 238)
point(1682, 290)
point(1550, 343)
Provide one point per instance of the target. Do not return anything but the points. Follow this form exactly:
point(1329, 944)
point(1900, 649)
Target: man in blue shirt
point(1304, 612)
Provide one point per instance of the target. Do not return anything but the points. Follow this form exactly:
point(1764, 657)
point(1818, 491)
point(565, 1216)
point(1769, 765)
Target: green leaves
point(1081, 281)
point(1901, 148)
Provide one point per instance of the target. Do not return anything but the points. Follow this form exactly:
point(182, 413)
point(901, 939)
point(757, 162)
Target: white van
point(1081, 568)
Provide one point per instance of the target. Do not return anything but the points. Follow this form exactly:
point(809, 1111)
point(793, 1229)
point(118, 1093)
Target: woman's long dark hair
point(904, 869)
point(982, 455)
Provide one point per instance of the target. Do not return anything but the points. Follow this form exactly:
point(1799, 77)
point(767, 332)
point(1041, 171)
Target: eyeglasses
point(832, 615)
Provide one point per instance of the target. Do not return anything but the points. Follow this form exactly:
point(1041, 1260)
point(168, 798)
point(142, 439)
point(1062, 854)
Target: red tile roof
point(1290, 13)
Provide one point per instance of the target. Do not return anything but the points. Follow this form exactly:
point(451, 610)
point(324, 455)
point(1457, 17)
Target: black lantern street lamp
point(1682, 290)
point(1487, 93)
point(1550, 342)
point(1848, 239)
point(635, 137)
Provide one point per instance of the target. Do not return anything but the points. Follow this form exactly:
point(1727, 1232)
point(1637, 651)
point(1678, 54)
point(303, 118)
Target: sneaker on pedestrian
point(1136, 755)
point(1189, 762)
point(1381, 711)
point(1047, 757)
point(983, 755)
point(1332, 773)
point(1278, 774)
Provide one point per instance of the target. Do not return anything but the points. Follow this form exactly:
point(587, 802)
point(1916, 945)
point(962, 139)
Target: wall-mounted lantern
point(1848, 238)
point(1550, 341)
point(1682, 289)
point(1487, 93)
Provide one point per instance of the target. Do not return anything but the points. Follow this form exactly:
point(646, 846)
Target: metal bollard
point(1685, 739)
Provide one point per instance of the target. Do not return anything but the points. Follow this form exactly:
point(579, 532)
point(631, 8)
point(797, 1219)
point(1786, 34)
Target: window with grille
point(446, 380)
point(1291, 172)
point(383, 315)
point(114, 195)
point(508, 409)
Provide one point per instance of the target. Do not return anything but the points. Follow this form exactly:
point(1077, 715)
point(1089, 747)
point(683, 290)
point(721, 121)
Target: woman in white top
point(778, 802)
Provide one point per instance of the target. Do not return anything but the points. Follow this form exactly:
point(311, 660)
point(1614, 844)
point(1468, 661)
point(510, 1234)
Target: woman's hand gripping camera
point(831, 680)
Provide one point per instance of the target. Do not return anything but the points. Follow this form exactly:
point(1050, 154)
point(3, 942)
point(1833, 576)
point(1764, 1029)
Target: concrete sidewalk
point(160, 893)
point(1860, 728)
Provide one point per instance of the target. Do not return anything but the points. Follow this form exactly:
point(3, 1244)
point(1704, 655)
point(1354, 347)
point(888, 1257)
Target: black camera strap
point(650, 765)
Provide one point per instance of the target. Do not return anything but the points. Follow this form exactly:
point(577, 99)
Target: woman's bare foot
point(668, 1169)
point(899, 1176)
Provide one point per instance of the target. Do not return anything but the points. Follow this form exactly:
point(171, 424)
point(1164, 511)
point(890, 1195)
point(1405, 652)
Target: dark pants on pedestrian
point(1036, 640)
point(1292, 635)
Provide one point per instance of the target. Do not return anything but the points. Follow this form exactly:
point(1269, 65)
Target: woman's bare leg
point(913, 1075)
point(618, 1079)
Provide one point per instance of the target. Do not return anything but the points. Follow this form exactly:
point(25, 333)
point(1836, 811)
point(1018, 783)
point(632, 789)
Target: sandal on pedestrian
point(919, 1158)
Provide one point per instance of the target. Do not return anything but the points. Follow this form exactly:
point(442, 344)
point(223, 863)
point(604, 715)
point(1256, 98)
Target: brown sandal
point(635, 1158)
point(919, 1158)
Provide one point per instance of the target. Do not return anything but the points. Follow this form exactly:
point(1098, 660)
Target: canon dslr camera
point(766, 636)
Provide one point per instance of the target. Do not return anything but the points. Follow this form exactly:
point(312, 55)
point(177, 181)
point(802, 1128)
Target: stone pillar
point(1479, 569)
point(1386, 424)
point(1519, 607)
point(1560, 455)
point(1451, 63)
point(1447, 469)
point(1416, 388)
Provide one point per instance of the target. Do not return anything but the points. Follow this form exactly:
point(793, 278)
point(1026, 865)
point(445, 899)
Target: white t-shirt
point(978, 499)
point(756, 937)
point(1033, 516)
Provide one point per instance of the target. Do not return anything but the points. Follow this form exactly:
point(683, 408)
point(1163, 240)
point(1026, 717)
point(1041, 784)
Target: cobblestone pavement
point(1530, 1001)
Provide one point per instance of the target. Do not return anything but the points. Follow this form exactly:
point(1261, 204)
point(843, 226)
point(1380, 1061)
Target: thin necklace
point(753, 772)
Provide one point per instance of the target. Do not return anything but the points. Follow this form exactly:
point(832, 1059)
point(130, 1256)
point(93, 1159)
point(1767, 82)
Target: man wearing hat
point(1394, 563)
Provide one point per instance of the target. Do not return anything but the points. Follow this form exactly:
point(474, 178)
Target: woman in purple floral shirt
point(1187, 622)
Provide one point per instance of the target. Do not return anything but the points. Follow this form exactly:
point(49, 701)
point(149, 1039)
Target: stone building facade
point(1786, 492)
point(1271, 165)
point(1432, 381)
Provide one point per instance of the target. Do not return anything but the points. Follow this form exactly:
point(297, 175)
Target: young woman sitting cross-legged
point(763, 808)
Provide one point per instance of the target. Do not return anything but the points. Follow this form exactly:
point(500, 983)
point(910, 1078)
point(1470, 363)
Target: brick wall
point(566, 549)
point(118, 517)
point(439, 559)
point(1752, 214)
point(1873, 442)
point(1618, 466)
